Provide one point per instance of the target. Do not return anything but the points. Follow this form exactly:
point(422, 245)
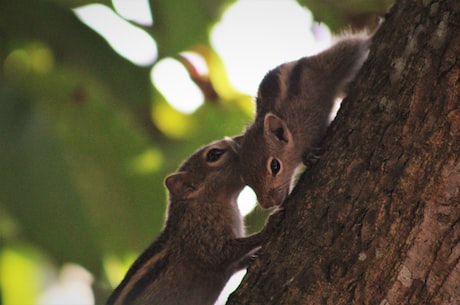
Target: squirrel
point(293, 105)
point(202, 243)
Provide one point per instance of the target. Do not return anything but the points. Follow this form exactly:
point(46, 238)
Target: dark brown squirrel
point(294, 102)
point(202, 243)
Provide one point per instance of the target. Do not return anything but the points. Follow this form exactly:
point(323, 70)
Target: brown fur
point(202, 243)
point(293, 107)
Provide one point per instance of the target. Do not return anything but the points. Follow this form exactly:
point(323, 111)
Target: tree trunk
point(377, 220)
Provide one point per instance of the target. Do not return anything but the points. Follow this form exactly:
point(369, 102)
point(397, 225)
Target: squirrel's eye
point(214, 154)
point(275, 166)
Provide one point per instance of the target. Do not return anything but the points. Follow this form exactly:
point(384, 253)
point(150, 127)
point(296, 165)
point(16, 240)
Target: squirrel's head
point(213, 169)
point(269, 160)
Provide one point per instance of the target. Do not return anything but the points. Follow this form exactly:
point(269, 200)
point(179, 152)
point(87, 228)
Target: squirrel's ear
point(276, 129)
point(180, 185)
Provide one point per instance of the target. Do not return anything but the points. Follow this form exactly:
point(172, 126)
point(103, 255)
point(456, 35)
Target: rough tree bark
point(377, 220)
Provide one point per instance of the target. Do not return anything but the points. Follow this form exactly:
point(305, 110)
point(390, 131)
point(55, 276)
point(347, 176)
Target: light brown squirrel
point(294, 102)
point(202, 243)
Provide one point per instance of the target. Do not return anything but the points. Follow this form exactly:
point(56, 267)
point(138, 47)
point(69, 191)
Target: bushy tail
point(340, 63)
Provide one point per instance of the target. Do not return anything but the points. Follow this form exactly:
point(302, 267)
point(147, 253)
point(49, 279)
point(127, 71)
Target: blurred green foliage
point(346, 14)
point(86, 140)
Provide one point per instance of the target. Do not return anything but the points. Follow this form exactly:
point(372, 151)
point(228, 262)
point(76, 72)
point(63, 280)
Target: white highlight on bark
point(405, 277)
point(438, 40)
point(384, 302)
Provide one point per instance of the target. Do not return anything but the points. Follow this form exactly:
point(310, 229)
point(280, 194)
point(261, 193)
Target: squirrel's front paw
point(312, 156)
point(274, 220)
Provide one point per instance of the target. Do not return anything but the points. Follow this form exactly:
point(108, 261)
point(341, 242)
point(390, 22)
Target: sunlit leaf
point(22, 273)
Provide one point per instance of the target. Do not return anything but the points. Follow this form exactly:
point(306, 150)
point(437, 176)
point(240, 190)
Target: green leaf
point(35, 185)
point(75, 45)
point(179, 25)
point(339, 15)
